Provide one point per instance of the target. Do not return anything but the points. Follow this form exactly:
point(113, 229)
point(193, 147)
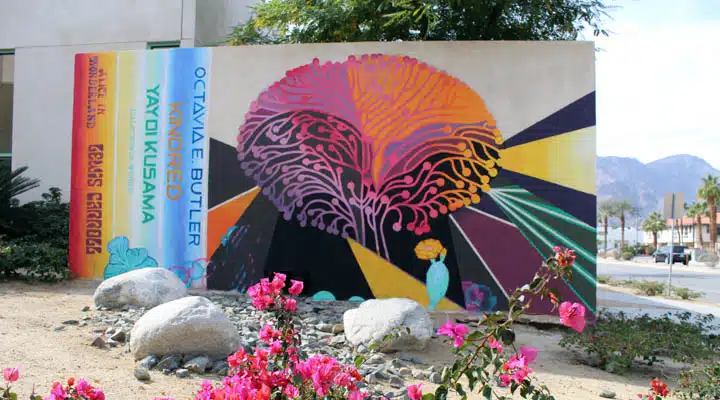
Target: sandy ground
point(29, 314)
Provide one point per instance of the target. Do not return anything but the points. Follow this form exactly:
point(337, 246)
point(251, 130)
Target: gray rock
point(149, 362)
point(220, 368)
point(607, 394)
point(71, 322)
point(323, 327)
point(405, 371)
point(374, 319)
point(397, 363)
point(338, 328)
point(191, 325)
point(59, 328)
point(436, 378)
point(141, 374)
point(170, 362)
point(396, 382)
point(375, 359)
point(182, 373)
point(198, 364)
point(420, 375)
point(119, 336)
point(99, 342)
point(145, 287)
point(338, 341)
point(86, 309)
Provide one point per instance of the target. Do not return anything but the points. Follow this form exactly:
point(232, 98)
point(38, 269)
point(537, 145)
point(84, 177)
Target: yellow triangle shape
point(567, 159)
point(386, 280)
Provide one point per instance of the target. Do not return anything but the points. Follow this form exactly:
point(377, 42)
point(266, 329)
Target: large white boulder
point(191, 325)
point(374, 319)
point(145, 287)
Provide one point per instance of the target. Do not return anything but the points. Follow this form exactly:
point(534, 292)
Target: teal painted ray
point(546, 226)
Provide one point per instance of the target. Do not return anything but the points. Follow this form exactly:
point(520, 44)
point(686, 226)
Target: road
point(707, 282)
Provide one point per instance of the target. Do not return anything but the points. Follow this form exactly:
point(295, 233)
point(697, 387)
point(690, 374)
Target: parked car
point(679, 254)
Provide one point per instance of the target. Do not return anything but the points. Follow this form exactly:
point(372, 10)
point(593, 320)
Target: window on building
point(163, 45)
point(7, 80)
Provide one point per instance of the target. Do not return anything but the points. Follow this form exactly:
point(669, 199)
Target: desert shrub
point(628, 253)
point(618, 341)
point(709, 259)
point(33, 261)
point(649, 288)
point(687, 294)
point(700, 382)
point(604, 279)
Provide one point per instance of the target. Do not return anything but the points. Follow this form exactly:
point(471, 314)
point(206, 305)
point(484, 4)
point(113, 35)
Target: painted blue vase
point(437, 281)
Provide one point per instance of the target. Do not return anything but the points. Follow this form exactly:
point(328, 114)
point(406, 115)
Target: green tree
point(624, 209)
point(654, 224)
point(12, 184)
point(710, 192)
point(320, 21)
point(696, 211)
point(607, 209)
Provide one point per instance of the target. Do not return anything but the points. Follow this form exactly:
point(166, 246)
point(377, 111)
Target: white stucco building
point(38, 41)
point(687, 232)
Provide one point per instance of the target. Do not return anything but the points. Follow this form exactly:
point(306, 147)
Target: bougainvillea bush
point(486, 354)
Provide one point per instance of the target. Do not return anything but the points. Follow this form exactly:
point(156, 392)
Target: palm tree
point(12, 184)
point(710, 192)
point(624, 209)
point(696, 211)
point(606, 209)
point(654, 224)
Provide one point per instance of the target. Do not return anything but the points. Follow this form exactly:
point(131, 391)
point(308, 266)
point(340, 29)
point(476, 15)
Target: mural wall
point(441, 172)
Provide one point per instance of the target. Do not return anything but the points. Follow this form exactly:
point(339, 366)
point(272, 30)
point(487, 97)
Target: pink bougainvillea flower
point(296, 287)
point(495, 344)
point(457, 332)
point(529, 354)
point(358, 395)
point(291, 391)
point(276, 347)
point(415, 391)
point(520, 374)
point(278, 283)
point(11, 374)
point(505, 380)
point(291, 305)
point(565, 257)
point(572, 315)
point(268, 334)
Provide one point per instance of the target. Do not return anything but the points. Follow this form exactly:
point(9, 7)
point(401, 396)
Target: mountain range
point(644, 185)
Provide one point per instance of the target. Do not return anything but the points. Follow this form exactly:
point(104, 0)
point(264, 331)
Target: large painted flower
point(124, 259)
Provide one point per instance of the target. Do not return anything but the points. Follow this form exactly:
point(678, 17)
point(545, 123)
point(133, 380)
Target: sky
point(658, 80)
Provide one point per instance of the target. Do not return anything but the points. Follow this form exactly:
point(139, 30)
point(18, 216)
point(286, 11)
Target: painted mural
point(374, 176)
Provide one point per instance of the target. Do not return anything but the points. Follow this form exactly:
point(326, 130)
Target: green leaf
point(459, 389)
point(359, 360)
point(507, 336)
point(487, 392)
point(513, 387)
point(428, 396)
point(13, 396)
point(441, 392)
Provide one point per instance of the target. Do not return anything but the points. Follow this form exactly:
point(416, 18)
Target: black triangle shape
point(577, 115)
point(226, 180)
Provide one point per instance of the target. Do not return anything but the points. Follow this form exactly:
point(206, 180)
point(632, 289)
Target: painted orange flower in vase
point(438, 277)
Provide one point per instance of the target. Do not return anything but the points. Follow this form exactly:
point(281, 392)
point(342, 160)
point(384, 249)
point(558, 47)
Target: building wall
point(216, 18)
point(46, 35)
point(443, 172)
